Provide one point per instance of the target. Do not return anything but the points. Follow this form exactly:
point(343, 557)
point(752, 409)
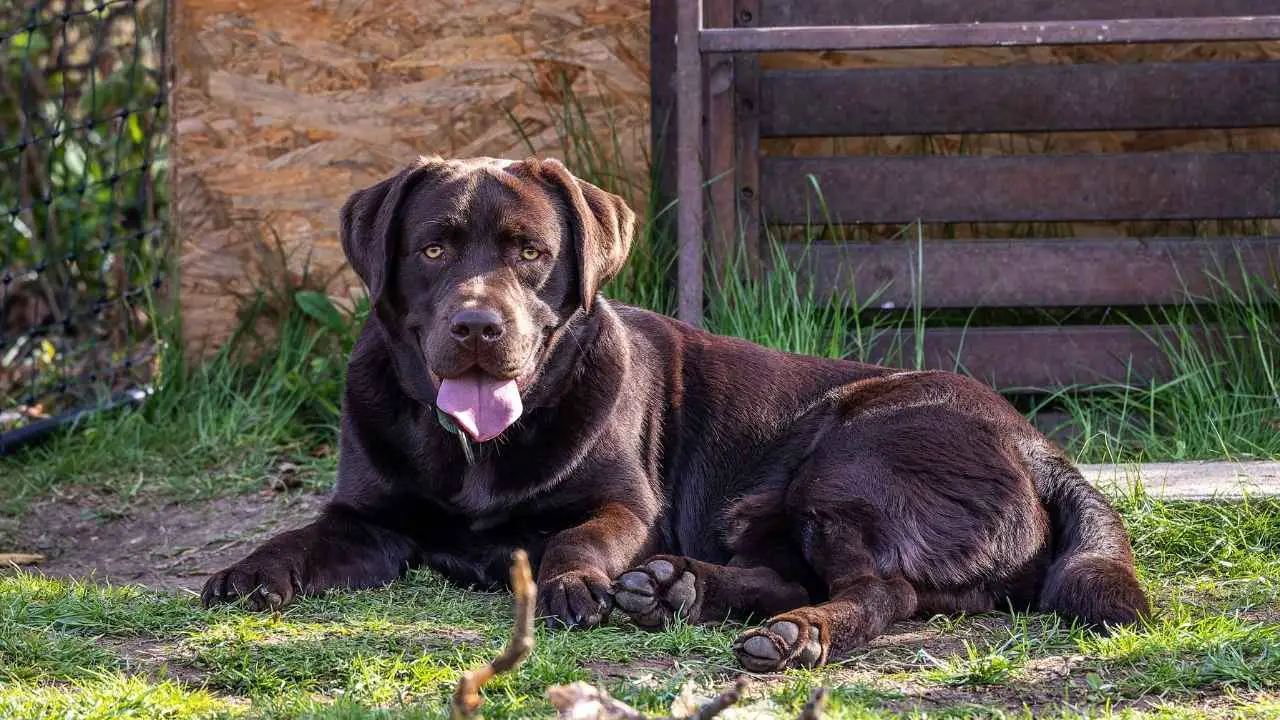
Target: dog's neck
point(571, 400)
point(567, 347)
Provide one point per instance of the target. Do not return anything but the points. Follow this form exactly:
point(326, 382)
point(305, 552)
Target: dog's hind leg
point(863, 601)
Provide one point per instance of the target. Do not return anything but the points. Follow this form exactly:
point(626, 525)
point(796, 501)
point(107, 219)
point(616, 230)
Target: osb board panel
point(284, 107)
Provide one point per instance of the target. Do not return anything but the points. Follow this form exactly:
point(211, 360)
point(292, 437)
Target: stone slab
point(1218, 480)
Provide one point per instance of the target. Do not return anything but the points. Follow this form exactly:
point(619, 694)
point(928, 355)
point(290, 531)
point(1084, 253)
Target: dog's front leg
point(577, 568)
point(339, 549)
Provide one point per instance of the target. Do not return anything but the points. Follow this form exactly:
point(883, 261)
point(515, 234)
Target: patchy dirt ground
point(981, 666)
point(171, 547)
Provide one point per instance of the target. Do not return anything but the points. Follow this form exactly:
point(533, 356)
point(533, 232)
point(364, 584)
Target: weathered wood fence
point(730, 191)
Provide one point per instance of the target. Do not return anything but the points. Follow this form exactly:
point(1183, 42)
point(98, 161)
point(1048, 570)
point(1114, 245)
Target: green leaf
point(318, 307)
point(27, 43)
point(73, 157)
point(20, 227)
point(135, 129)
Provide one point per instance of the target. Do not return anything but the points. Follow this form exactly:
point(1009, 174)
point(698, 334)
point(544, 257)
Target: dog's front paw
point(663, 588)
point(266, 582)
point(575, 599)
point(789, 640)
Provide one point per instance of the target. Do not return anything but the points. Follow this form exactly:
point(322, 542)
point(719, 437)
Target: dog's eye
point(530, 253)
point(433, 252)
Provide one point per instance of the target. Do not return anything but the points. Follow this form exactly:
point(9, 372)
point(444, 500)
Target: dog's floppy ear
point(603, 227)
point(368, 222)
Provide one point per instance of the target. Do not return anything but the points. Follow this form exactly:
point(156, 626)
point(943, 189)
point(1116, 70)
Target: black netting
point(83, 202)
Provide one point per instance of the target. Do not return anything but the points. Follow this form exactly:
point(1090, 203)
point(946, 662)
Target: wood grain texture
point(1029, 98)
point(1136, 186)
point(1036, 273)
point(911, 12)
point(984, 35)
point(1038, 358)
point(283, 107)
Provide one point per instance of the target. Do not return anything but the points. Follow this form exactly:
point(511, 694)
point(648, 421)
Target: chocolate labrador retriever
point(494, 400)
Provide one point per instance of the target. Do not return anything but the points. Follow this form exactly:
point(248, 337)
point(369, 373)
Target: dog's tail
point(1091, 574)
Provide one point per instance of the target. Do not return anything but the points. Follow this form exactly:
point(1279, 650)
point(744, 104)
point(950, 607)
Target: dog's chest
point(477, 491)
point(488, 490)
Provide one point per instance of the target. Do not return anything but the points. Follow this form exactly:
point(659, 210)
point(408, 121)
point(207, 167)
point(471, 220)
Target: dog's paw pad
point(638, 583)
point(682, 592)
point(662, 570)
point(778, 646)
point(762, 649)
point(656, 592)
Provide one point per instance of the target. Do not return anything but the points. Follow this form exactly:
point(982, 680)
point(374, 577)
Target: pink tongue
point(482, 405)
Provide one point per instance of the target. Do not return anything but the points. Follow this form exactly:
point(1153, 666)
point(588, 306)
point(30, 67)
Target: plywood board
point(283, 107)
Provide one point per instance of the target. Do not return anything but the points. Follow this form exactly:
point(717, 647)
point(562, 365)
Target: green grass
point(209, 430)
point(71, 649)
point(1223, 400)
point(778, 311)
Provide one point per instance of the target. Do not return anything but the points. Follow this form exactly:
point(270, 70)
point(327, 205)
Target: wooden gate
point(728, 105)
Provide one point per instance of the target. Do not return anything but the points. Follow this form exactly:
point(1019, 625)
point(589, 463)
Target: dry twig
point(579, 699)
point(722, 701)
point(814, 708)
point(466, 699)
point(584, 701)
point(20, 559)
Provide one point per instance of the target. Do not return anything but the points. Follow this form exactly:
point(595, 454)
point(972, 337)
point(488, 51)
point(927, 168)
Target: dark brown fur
point(661, 470)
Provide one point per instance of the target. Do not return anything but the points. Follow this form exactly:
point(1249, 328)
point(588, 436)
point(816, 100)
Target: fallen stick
point(584, 701)
point(721, 702)
point(466, 698)
point(20, 559)
point(579, 699)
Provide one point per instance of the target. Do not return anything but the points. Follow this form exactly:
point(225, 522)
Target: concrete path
point(1190, 480)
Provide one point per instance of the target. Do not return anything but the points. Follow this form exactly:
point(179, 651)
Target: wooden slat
point(1035, 273)
point(1028, 98)
point(1147, 186)
point(1016, 34)
point(1037, 357)
point(912, 12)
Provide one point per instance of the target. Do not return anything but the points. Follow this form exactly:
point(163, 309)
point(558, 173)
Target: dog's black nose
point(476, 324)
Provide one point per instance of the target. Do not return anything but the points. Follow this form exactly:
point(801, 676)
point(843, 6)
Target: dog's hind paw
point(654, 594)
point(787, 641)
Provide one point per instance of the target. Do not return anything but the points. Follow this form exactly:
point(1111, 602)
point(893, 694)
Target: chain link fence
point(83, 197)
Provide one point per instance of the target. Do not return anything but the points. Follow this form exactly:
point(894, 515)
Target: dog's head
point(473, 265)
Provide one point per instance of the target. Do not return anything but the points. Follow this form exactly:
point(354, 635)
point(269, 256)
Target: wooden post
point(746, 179)
point(662, 124)
point(689, 164)
point(719, 136)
